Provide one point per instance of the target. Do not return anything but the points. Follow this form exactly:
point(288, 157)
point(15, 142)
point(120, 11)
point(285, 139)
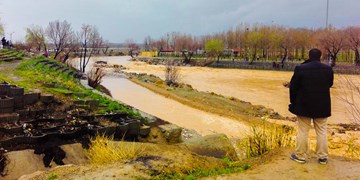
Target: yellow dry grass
point(104, 150)
point(261, 139)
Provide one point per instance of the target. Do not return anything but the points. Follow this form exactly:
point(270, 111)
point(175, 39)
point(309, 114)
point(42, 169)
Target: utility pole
point(327, 14)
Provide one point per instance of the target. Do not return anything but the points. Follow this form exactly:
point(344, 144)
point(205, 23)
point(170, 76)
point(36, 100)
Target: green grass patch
point(229, 168)
point(31, 76)
point(6, 54)
point(51, 176)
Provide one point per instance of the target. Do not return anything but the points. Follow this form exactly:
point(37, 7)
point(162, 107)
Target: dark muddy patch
point(3, 162)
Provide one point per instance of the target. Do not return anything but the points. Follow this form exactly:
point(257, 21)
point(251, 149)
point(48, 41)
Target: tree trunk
point(357, 57)
point(302, 53)
point(45, 48)
point(187, 57)
point(56, 53)
point(105, 51)
point(84, 59)
point(66, 57)
point(264, 53)
point(81, 55)
point(284, 57)
point(254, 56)
point(131, 54)
point(333, 60)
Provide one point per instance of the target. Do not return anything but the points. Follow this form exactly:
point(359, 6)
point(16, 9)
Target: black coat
point(310, 90)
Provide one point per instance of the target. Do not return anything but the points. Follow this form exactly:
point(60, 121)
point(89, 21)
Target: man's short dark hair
point(315, 54)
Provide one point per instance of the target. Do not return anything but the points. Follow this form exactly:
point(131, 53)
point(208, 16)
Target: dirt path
point(278, 165)
point(8, 68)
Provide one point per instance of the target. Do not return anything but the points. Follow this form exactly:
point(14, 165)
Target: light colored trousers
point(304, 125)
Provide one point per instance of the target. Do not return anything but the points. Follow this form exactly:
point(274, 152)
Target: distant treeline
point(270, 42)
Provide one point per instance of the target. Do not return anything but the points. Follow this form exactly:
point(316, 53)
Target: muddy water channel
point(170, 110)
point(258, 87)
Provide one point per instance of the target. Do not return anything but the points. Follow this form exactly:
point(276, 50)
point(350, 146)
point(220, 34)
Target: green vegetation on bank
point(34, 76)
point(7, 55)
point(210, 102)
point(51, 176)
point(230, 167)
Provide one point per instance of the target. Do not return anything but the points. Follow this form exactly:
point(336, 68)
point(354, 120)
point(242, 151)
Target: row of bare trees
point(270, 42)
point(60, 36)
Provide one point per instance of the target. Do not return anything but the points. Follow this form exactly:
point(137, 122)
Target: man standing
point(310, 101)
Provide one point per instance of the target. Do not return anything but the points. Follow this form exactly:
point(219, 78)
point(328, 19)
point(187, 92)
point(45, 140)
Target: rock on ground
point(217, 145)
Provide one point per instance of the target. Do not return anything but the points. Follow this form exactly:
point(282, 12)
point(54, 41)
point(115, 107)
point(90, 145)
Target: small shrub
point(118, 68)
point(262, 139)
point(172, 73)
point(353, 149)
point(104, 150)
point(51, 176)
point(95, 77)
point(350, 95)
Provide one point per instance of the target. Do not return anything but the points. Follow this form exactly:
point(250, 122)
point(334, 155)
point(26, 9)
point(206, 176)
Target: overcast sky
point(118, 20)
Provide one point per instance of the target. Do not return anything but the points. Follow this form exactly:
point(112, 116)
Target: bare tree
point(133, 47)
point(265, 42)
point(73, 46)
point(302, 40)
point(286, 44)
point(254, 40)
point(172, 73)
point(105, 47)
point(333, 41)
point(90, 42)
point(59, 34)
point(35, 37)
point(159, 44)
point(192, 45)
point(353, 41)
point(22, 46)
point(148, 43)
point(350, 96)
point(270, 42)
